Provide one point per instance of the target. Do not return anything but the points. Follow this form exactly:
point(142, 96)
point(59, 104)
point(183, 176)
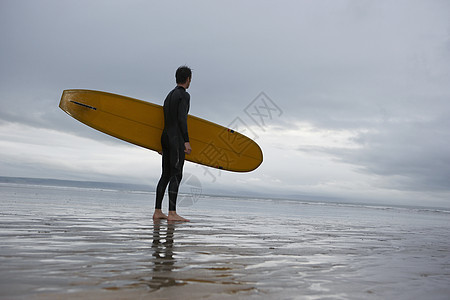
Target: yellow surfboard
point(141, 123)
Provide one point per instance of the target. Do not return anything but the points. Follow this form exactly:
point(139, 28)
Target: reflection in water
point(163, 261)
point(163, 247)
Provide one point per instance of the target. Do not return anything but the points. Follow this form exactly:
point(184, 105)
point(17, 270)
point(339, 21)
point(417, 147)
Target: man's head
point(183, 76)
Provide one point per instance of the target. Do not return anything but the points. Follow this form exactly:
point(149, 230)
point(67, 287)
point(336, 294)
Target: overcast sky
point(359, 91)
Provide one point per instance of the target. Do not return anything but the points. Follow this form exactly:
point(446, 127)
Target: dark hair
point(182, 74)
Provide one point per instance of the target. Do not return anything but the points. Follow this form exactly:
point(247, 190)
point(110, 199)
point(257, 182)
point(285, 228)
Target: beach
point(92, 243)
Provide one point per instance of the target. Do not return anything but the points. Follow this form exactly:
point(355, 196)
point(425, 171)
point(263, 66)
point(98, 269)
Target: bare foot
point(173, 216)
point(158, 214)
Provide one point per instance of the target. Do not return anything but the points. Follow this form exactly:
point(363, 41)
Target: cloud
point(37, 152)
point(363, 85)
point(411, 156)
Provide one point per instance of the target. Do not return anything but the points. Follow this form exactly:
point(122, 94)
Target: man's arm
point(183, 110)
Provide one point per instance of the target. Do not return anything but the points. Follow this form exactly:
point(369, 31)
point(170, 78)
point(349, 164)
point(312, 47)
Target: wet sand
point(76, 243)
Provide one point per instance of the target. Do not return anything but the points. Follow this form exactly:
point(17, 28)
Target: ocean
point(69, 242)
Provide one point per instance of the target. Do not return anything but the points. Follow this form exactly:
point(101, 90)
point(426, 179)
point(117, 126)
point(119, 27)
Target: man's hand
point(187, 148)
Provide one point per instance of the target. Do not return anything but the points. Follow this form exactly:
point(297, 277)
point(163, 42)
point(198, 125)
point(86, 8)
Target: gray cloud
point(377, 68)
point(410, 155)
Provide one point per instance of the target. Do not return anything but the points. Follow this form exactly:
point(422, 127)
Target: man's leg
point(160, 189)
point(175, 180)
point(162, 185)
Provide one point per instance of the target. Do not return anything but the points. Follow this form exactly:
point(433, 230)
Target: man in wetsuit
point(175, 144)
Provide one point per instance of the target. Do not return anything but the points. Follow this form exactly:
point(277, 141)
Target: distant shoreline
point(75, 183)
point(150, 189)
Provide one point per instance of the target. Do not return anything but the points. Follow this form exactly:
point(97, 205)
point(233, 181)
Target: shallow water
point(70, 242)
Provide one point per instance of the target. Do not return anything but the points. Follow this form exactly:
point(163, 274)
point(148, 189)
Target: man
point(175, 144)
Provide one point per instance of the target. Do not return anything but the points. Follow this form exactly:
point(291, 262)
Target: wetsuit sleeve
point(183, 111)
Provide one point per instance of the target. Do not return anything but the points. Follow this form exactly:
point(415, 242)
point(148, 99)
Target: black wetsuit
point(175, 134)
